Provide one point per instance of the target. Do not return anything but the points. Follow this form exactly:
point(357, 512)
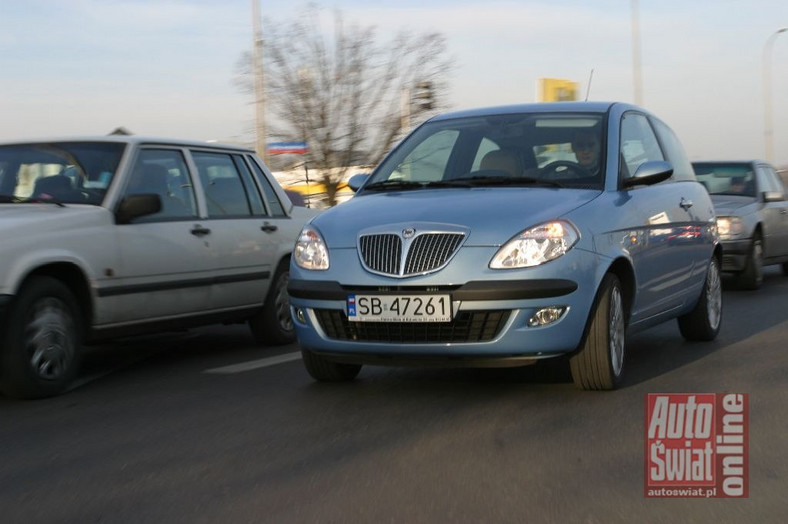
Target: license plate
point(399, 308)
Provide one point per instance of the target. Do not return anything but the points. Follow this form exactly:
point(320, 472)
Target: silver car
point(121, 235)
point(504, 236)
point(750, 201)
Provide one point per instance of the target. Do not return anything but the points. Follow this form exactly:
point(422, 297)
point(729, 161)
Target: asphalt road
point(204, 427)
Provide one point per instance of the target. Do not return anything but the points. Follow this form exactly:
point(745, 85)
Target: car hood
point(490, 216)
point(729, 204)
point(16, 219)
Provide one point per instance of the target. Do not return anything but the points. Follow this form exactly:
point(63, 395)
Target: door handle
point(268, 228)
point(685, 204)
point(199, 231)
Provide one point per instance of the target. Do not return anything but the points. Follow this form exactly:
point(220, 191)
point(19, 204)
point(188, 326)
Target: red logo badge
point(696, 445)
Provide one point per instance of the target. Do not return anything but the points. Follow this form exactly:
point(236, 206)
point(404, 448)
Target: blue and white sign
point(291, 148)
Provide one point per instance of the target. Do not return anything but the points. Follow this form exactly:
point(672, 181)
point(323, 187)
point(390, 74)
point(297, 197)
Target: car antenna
point(588, 89)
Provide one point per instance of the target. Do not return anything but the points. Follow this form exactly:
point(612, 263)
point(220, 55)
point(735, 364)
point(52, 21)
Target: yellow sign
point(556, 90)
point(314, 188)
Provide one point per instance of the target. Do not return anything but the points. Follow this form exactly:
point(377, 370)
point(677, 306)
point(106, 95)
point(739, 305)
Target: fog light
point(547, 315)
point(300, 315)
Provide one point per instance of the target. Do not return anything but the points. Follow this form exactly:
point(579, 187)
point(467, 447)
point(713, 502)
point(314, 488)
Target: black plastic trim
point(181, 284)
point(474, 290)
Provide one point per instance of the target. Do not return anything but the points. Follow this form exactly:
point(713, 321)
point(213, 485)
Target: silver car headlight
point(729, 227)
point(536, 246)
point(310, 250)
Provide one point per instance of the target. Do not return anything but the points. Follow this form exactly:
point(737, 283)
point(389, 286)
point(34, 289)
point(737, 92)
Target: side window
point(485, 146)
point(255, 200)
point(769, 181)
point(225, 194)
point(682, 168)
point(274, 205)
point(638, 144)
point(163, 172)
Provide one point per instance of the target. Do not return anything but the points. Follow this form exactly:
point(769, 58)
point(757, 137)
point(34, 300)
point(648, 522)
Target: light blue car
point(503, 236)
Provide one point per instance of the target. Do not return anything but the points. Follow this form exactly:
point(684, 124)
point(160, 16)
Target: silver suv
point(123, 235)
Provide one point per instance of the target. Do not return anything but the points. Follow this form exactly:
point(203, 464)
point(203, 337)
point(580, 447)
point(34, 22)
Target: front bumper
point(735, 254)
point(490, 321)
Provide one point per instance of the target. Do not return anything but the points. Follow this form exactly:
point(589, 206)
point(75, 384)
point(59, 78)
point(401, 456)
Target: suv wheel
point(273, 325)
point(42, 347)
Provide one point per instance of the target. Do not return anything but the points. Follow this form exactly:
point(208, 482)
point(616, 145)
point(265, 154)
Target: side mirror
point(356, 181)
point(296, 198)
point(773, 196)
point(649, 173)
point(135, 206)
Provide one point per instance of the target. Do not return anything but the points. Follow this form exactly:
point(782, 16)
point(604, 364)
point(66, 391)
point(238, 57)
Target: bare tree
point(342, 93)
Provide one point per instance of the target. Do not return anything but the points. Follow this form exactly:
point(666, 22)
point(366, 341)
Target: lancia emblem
point(408, 232)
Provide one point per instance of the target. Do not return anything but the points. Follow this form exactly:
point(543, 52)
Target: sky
point(168, 67)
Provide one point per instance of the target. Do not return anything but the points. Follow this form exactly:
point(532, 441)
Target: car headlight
point(536, 246)
point(310, 250)
point(729, 227)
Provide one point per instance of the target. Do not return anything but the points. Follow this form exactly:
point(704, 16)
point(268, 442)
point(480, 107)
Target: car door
point(243, 232)
point(663, 263)
point(164, 264)
point(775, 213)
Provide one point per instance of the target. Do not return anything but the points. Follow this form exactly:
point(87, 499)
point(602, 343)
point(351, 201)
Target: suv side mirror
point(649, 173)
point(773, 196)
point(135, 206)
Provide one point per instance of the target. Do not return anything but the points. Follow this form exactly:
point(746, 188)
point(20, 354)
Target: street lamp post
point(767, 94)
point(638, 79)
point(261, 137)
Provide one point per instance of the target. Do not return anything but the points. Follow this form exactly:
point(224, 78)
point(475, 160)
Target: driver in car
point(585, 146)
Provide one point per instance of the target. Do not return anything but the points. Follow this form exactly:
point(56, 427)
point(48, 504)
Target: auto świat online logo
point(696, 445)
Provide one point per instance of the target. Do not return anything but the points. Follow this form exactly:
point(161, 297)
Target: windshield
point(59, 172)
point(546, 149)
point(735, 179)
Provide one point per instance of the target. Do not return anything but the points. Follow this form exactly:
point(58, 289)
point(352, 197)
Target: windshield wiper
point(385, 185)
point(495, 181)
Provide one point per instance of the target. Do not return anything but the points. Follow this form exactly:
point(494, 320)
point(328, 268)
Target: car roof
point(129, 139)
point(540, 107)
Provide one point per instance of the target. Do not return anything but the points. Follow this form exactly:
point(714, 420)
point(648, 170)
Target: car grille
point(382, 253)
point(467, 326)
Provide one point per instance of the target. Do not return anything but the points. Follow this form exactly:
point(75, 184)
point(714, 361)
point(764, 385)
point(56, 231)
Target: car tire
point(751, 277)
point(599, 363)
point(325, 370)
point(273, 325)
point(785, 268)
point(42, 348)
point(703, 323)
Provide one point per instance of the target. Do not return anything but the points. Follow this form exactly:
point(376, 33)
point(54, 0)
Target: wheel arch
point(74, 279)
point(758, 231)
point(622, 269)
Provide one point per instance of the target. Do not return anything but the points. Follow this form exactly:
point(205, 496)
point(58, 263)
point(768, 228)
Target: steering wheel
point(564, 169)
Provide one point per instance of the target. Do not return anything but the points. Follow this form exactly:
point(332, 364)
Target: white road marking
point(255, 364)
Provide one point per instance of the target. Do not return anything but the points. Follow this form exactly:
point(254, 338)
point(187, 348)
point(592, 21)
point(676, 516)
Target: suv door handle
point(268, 228)
point(199, 231)
point(685, 204)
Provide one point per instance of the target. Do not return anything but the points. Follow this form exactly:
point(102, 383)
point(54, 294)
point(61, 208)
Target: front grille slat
point(382, 253)
point(467, 326)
